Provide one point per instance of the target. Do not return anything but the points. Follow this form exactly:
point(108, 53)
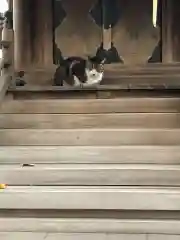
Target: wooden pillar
point(21, 27)
point(167, 38)
point(43, 47)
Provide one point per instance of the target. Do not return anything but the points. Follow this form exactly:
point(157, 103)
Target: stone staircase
point(90, 168)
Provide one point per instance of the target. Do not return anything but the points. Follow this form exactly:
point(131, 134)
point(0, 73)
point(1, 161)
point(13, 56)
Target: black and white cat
point(77, 71)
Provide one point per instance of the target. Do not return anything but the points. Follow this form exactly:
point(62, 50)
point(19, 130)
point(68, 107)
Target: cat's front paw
point(81, 85)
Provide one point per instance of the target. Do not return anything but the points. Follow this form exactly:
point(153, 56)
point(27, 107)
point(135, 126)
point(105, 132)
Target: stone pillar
point(21, 25)
point(44, 33)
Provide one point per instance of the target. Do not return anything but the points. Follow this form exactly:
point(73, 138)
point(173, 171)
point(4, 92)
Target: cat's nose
point(93, 74)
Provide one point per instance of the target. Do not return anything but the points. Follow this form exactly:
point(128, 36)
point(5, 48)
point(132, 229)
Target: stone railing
point(7, 43)
point(6, 63)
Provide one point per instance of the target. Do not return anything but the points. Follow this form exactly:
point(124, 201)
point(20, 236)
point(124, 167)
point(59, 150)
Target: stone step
point(81, 236)
point(153, 71)
point(109, 91)
point(78, 226)
point(75, 236)
point(141, 67)
point(90, 137)
point(89, 121)
point(90, 175)
point(114, 84)
point(80, 106)
point(169, 155)
point(118, 77)
point(91, 198)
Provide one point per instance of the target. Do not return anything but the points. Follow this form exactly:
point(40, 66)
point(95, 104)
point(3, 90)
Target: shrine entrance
point(122, 31)
point(127, 33)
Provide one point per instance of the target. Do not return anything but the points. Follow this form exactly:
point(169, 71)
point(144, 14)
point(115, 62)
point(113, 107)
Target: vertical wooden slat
point(107, 32)
point(48, 33)
point(167, 45)
point(155, 8)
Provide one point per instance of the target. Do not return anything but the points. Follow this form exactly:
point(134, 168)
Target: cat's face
point(94, 70)
point(95, 64)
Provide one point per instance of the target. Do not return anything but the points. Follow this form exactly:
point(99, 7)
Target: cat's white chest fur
point(93, 77)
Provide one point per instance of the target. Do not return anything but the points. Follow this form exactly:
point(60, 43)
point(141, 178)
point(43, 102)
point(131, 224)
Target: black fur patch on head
point(95, 63)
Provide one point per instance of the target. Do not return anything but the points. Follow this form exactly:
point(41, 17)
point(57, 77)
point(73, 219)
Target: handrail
point(5, 81)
